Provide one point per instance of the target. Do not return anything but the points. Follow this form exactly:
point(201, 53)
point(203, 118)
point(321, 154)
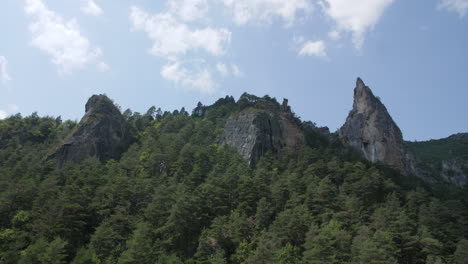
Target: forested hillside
point(178, 196)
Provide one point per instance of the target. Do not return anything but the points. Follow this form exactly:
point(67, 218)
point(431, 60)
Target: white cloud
point(172, 38)
point(357, 17)
point(102, 66)
point(62, 40)
point(91, 8)
point(459, 6)
point(188, 10)
point(223, 69)
point(313, 48)
point(10, 109)
point(4, 76)
point(245, 11)
point(3, 114)
point(334, 35)
point(227, 70)
point(236, 71)
point(199, 80)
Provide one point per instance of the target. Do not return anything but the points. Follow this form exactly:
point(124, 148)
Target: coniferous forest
point(176, 195)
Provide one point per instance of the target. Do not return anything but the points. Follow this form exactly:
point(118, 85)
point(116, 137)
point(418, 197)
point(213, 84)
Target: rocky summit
point(101, 133)
point(254, 126)
point(370, 129)
point(263, 127)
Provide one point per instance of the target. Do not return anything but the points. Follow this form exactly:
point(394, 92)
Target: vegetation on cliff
point(176, 196)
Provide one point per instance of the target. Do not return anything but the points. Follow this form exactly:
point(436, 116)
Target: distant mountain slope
point(437, 150)
point(442, 159)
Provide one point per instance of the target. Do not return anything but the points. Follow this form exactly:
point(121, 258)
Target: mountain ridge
point(176, 195)
point(254, 126)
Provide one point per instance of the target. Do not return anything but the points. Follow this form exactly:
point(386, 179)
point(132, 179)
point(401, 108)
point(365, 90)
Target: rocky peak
point(284, 106)
point(261, 127)
point(101, 133)
point(370, 129)
point(96, 100)
point(364, 99)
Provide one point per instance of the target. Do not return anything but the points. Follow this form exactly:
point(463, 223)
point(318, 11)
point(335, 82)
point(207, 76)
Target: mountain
point(101, 133)
point(239, 181)
point(440, 160)
point(262, 126)
point(370, 129)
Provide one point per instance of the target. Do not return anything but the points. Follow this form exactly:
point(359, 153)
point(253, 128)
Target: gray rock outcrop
point(101, 133)
point(440, 161)
point(253, 132)
point(370, 129)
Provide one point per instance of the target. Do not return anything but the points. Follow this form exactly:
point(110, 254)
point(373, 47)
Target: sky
point(55, 54)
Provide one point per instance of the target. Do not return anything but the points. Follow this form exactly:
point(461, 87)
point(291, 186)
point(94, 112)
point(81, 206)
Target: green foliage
point(327, 244)
point(44, 252)
point(454, 147)
point(461, 253)
point(86, 256)
point(139, 246)
point(175, 196)
point(289, 254)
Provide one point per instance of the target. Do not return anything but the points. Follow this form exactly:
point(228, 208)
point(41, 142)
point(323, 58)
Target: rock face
point(101, 133)
point(370, 129)
point(455, 172)
point(440, 161)
point(253, 132)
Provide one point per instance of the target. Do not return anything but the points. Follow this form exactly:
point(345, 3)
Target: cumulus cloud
point(11, 108)
point(4, 76)
point(102, 66)
point(228, 70)
point(245, 11)
point(222, 68)
point(3, 114)
point(91, 8)
point(188, 10)
point(334, 35)
point(459, 6)
point(236, 71)
point(313, 48)
point(171, 37)
point(199, 80)
point(357, 17)
point(61, 40)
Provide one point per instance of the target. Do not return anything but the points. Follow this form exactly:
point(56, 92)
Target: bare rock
point(255, 131)
point(370, 129)
point(101, 133)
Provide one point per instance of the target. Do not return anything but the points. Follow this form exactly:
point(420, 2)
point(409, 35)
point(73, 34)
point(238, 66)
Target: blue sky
point(173, 53)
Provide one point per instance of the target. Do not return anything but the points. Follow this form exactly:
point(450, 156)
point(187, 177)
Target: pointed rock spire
point(370, 129)
point(360, 83)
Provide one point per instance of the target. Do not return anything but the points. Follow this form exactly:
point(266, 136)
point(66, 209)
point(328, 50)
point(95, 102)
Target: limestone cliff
point(262, 128)
point(101, 133)
point(370, 129)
